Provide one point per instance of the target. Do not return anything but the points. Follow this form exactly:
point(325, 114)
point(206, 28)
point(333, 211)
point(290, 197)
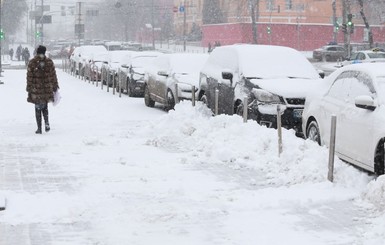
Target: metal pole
point(193, 96)
point(334, 21)
point(176, 94)
point(245, 109)
point(332, 147)
point(41, 22)
point(216, 101)
point(113, 85)
point(1, 42)
point(108, 80)
point(184, 26)
point(279, 129)
point(120, 85)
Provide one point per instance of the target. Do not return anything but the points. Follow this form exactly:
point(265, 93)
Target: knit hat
point(41, 49)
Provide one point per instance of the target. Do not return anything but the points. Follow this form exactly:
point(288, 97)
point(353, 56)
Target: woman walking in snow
point(41, 85)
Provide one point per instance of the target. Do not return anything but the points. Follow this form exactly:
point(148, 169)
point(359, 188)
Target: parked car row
point(268, 77)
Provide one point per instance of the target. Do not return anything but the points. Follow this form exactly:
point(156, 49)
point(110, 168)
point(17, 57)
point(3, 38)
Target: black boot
point(45, 115)
point(38, 120)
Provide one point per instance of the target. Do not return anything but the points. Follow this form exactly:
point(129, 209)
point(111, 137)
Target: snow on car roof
point(184, 63)
point(265, 61)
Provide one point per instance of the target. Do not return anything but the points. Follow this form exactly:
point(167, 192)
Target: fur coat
point(41, 80)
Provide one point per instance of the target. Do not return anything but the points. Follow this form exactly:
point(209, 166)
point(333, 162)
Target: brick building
point(294, 23)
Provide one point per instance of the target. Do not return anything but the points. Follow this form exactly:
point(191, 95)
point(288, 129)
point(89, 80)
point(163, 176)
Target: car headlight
point(137, 76)
point(266, 97)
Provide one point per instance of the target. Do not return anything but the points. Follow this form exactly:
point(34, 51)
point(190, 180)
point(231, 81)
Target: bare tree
point(361, 4)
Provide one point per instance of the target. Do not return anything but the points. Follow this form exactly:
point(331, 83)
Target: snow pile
point(227, 140)
point(375, 193)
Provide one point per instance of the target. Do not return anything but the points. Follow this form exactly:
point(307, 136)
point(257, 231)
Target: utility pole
point(253, 21)
point(184, 26)
point(335, 30)
point(152, 24)
point(1, 41)
point(41, 22)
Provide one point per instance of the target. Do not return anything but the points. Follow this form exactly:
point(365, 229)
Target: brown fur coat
point(41, 80)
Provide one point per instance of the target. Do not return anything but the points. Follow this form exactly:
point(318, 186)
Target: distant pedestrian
point(18, 52)
point(26, 55)
point(11, 53)
point(41, 85)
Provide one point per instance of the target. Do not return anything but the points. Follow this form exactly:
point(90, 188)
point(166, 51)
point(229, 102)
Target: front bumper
point(291, 118)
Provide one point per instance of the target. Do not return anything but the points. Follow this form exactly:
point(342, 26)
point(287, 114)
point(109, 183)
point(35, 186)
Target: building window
point(288, 4)
point(270, 5)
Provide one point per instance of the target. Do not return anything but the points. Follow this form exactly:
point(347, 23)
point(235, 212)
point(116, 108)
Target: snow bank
point(375, 193)
point(228, 141)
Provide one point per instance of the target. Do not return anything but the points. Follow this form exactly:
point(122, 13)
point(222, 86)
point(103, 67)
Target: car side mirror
point(228, 76)
point(321, 73)
point(365, 102)
point(163, 73)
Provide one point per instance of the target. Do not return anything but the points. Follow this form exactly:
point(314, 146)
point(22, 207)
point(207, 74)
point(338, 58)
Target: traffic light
point(268, 30)
point(344, 28)
point(37, 34)
point(336, 27)
point(350, 23)
point(1, 34)
point(352, 29)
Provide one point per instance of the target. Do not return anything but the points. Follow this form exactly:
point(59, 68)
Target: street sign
point(79, 28)
point(45, 19)
point(45, 8)
point(181, 9)
point(175, 9)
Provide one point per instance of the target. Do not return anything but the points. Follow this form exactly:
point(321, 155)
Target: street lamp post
point(1, 41)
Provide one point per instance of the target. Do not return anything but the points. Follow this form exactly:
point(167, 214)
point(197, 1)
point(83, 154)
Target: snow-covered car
point(329, 53)
point(131, 72)
point(267, 75)
point(366, 56)
point(95, 66)
point(114, 61)
point(56, 51)
point(355, 94)
point(168, 70)
point(83, 55)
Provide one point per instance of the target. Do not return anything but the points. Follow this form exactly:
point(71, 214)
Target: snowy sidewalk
point(112, 171)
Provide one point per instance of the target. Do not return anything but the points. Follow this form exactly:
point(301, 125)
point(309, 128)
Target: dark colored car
point(268, 76)
point(330, 53)
point(131, 73)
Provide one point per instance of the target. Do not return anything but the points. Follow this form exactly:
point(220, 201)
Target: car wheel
point(312, 132)
point(147, 99)
point(170, 100)
point(238, 109)
point(204, 100)
point(379, 166)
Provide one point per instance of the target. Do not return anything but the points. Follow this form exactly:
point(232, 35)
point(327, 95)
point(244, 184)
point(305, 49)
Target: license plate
point(297, 113)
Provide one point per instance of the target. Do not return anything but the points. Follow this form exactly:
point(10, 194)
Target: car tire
point(312, 132)
point(238, 108)
point(379, 165)
point(147, 98)
point(203, 99)
point(170, 100)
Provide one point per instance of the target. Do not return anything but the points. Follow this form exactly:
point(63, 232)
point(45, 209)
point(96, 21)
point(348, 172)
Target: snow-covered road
point(112, 171)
